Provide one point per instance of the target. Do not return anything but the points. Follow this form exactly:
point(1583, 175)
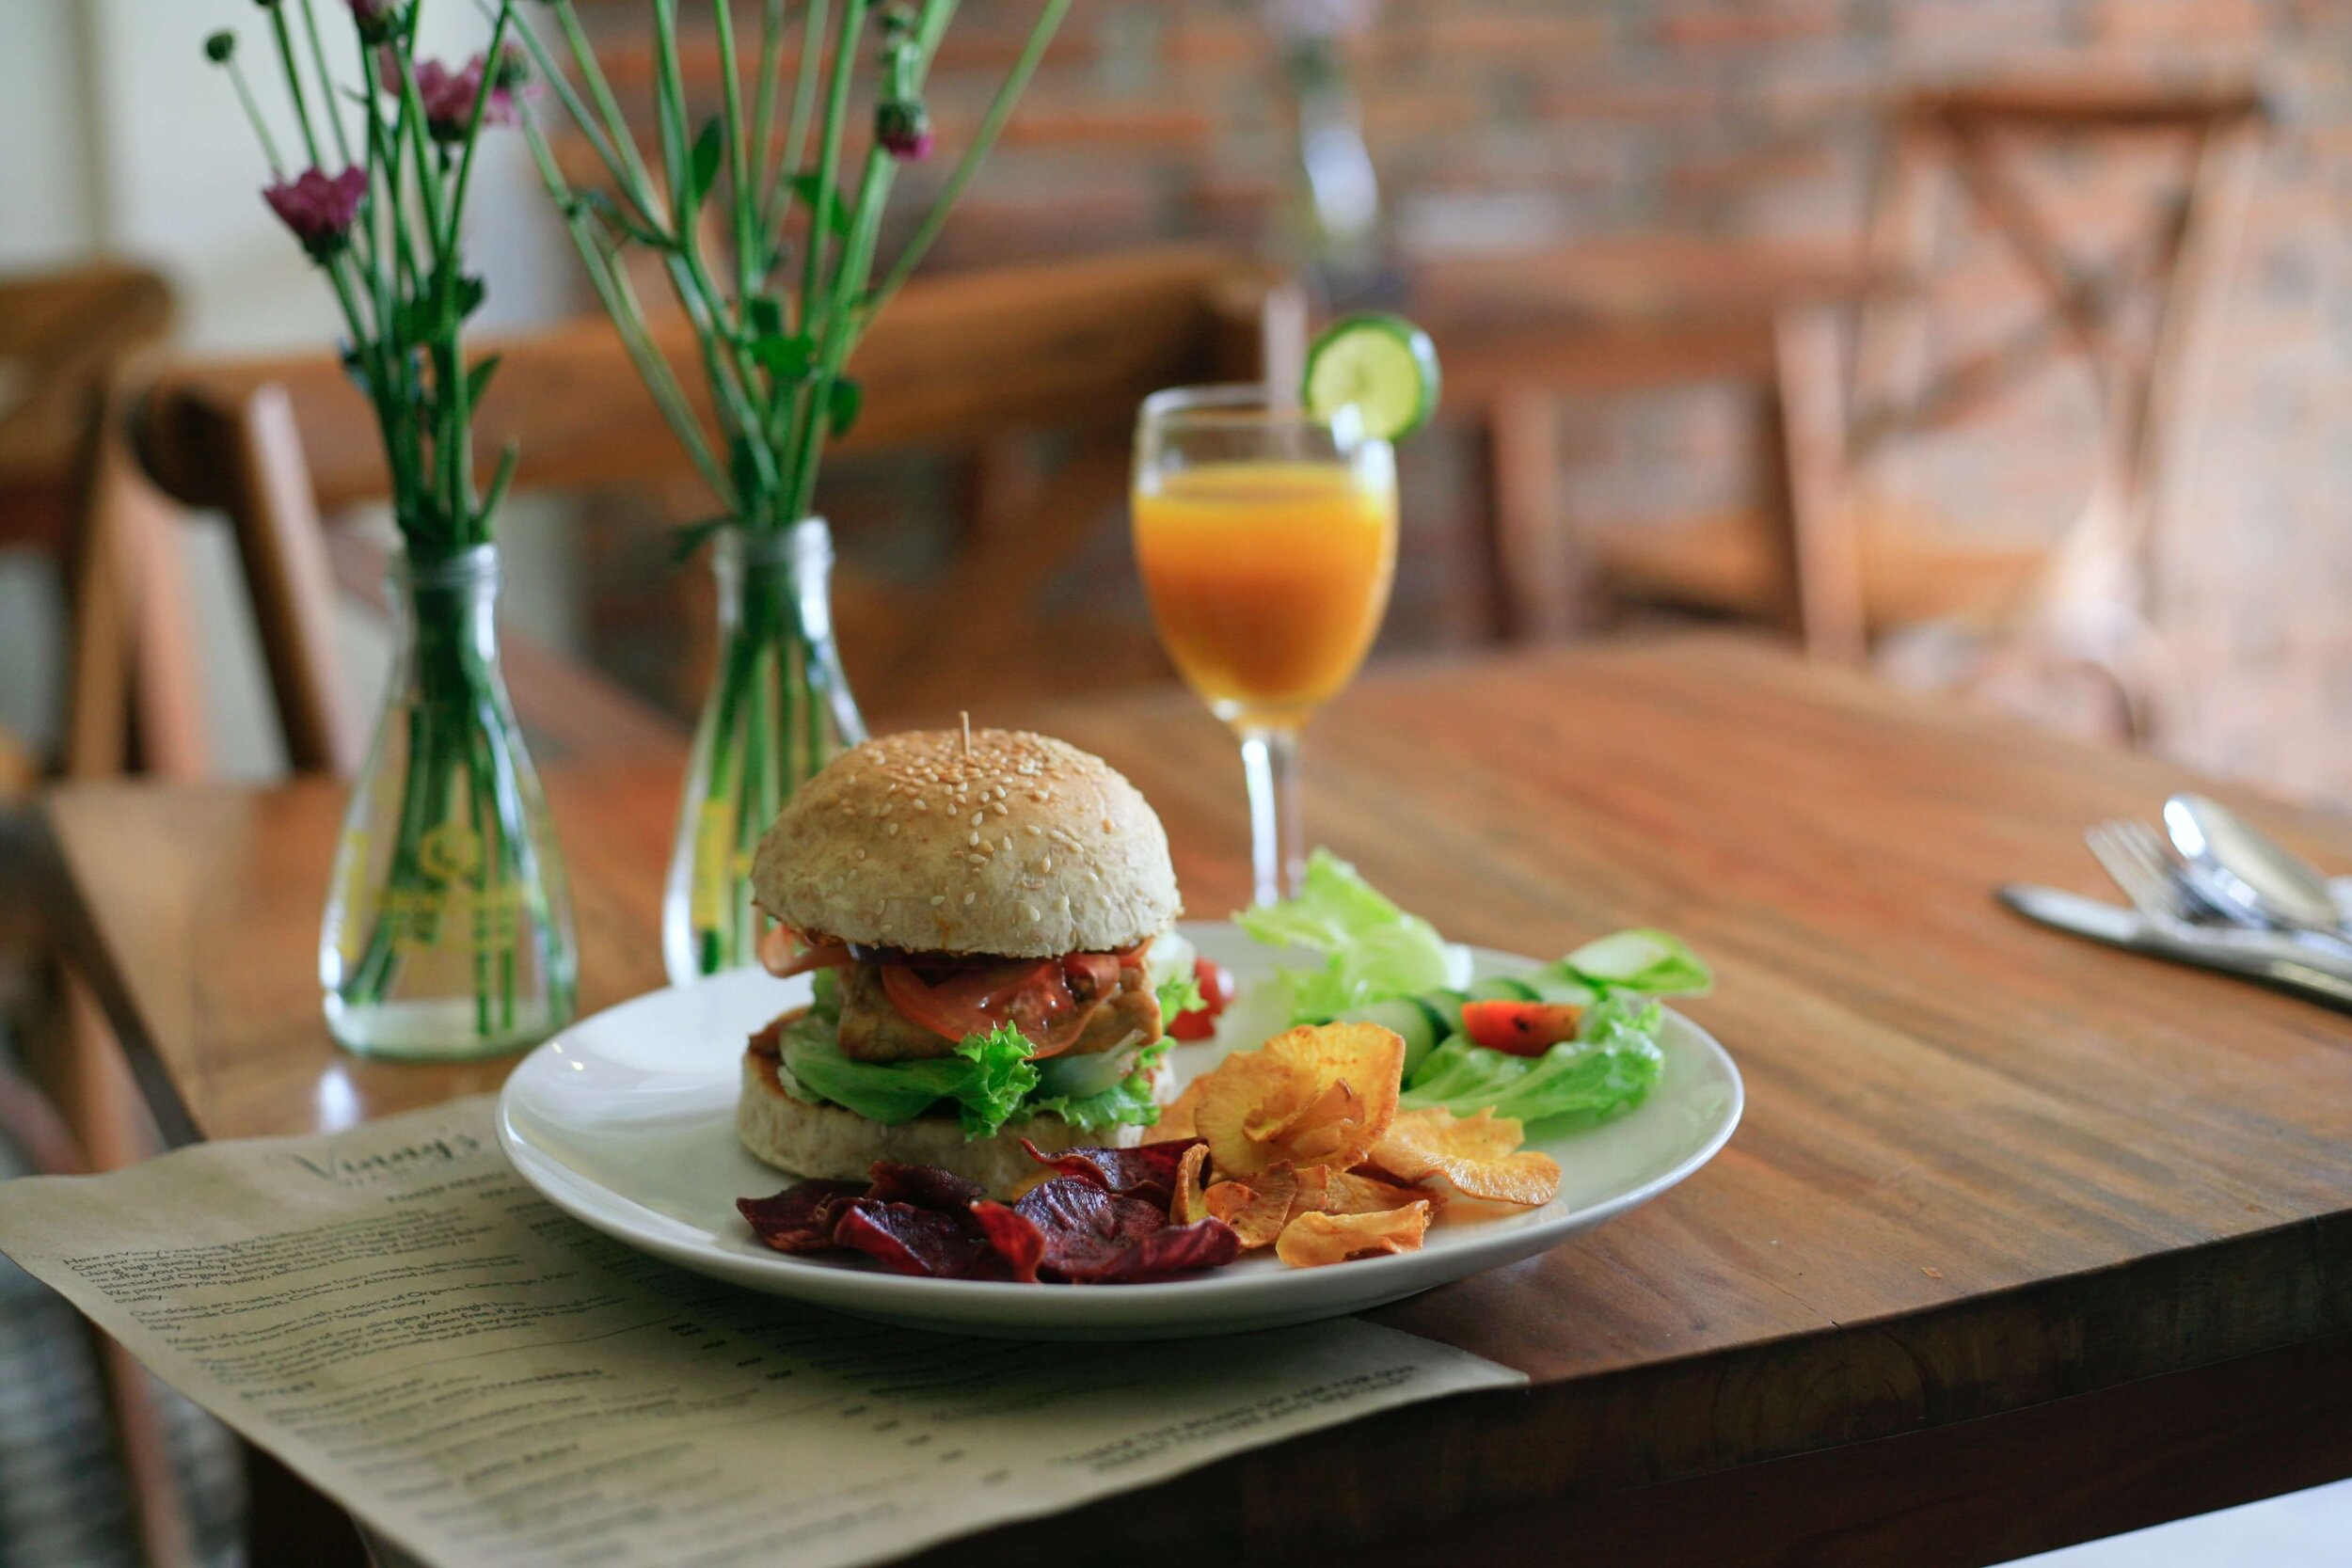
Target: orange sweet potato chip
point(1330, 1126)
point(1176, 1116)
point(1323, 1190)
point(1242, 1103)
point(1191, 1204)
point(1366, 1057)
point(1316, 1096)
point(1313, 1240)
point(1478, 1156)
point(1257, 1209)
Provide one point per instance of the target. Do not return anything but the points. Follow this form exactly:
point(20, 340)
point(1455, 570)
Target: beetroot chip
point(924, 1186)
point(799, 1218)
point(1086, 1225)
point(1015, 1236)
point(1148, 1173)
point(1094, 1236)
point(1173, 1250)
point(906, 1239)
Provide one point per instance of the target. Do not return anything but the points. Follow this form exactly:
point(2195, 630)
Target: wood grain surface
point(1983, 1167)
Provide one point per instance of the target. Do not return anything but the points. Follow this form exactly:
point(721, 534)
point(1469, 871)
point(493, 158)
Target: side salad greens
point(1382, 965)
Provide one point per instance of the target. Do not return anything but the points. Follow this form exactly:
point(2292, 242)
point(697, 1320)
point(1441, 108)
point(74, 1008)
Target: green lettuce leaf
point(1178, 994)
point(1001, 1079)
point(1606, 1071)
point(988, 1077)
point(1372, 949)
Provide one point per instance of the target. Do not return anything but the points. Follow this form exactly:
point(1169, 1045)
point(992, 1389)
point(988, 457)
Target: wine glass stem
point(1269, 757)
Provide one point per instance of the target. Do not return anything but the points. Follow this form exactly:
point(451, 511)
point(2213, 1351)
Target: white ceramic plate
point(627, 1121)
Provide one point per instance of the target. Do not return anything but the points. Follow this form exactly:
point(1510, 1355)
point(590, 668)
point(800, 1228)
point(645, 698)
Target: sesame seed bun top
point(1011, 844)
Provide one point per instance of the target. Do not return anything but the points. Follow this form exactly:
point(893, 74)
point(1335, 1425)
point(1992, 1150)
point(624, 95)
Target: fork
point(2132, 854)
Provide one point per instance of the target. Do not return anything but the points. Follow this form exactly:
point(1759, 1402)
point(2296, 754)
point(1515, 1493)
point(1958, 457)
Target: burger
point(985, 914)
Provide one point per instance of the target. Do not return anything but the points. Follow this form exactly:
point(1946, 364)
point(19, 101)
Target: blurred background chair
point(2133, 305)
point(65, 339)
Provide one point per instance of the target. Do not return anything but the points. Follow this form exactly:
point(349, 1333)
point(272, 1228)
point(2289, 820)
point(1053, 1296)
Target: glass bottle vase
point(779, 709)
point(449, 930)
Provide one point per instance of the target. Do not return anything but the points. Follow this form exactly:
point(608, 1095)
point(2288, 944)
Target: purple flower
point(377, 20)
point(448, 95)
point(904, 129)
point(319, 208)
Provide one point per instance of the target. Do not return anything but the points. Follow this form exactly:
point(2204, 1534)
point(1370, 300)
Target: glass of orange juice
point(1266, 537)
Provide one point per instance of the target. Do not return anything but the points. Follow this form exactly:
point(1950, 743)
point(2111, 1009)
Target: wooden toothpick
point(967, 717)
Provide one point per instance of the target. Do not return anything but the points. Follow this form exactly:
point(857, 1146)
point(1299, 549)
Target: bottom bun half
point(815, 1140)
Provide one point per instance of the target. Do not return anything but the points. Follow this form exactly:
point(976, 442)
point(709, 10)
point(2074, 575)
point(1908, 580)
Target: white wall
point(48, 199)
point(123, 139)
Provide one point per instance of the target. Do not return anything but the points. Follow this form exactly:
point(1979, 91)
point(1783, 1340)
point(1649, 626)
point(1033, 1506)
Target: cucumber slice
point(1383, 365)
point(1499, 987)
point(1083, 1077)
point(1408, 1019)
point(1555, 983)
point(1447, 1006)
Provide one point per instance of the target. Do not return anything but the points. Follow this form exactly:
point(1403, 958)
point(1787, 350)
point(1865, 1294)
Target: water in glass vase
point(779, 709)
point(448, 932)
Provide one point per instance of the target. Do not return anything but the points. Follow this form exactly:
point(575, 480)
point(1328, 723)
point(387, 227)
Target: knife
point(2300, 975)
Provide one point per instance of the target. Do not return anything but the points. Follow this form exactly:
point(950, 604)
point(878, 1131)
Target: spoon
point(2246, 867)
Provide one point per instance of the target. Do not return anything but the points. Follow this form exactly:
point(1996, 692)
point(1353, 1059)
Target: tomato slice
point(782, 952)
point(1216, 993)
point(1520, 1028)
point(1034, 995)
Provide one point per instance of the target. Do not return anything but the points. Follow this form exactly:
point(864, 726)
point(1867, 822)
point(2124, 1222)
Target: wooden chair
point(1519, 331)
point(64, 337)
point(2140, 321)
point(962, 363)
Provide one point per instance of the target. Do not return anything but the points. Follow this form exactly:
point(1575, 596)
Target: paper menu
point(398, 1316)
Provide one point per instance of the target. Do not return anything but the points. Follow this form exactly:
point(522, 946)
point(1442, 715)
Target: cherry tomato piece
point(1520, 1028)
point(1216, 993)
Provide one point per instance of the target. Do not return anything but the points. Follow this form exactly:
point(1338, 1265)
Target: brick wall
point(1510, 122)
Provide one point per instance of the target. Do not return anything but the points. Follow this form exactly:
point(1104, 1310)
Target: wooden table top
point(1983, 1166)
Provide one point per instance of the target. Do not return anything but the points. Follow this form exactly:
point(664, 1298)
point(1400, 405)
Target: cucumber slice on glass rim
point(1383, 365)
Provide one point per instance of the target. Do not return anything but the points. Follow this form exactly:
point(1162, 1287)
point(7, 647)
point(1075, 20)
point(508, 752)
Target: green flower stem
point(412, 125)
point(729, 386)
point(624, 181)
point(857, 257)
point(326, 81)
point(804, 108)
point(999, 109)
point(457, 769)
point(453, 388)
point(448, 240)
point(619, 299)
point(738, 138)
point(828, 159)
point(775, 414)
point(284, 37)
point(764, 116)
point(717, 330)
point(369, 347)
point(253, 113)
point(765, 739)
point(669, 103)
